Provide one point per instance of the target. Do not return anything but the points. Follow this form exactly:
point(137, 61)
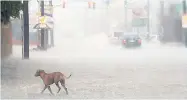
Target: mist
point(102, 67)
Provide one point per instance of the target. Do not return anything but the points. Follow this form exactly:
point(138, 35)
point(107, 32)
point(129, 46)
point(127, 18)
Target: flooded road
point(100, 68)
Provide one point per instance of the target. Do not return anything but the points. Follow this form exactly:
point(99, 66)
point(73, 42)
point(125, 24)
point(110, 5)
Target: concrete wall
point(6, 40)
point(172, 26)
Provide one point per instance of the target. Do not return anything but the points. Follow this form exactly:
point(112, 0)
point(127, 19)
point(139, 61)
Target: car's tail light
point(139, 41)
point(124, 41)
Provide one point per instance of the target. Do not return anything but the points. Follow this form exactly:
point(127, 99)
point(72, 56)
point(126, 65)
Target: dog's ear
point(40, 70)
point(37, 70)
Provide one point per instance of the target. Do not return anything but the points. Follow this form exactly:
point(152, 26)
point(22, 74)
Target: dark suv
point(131, 40)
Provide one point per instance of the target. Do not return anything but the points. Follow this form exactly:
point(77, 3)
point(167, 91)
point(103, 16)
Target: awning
point(42, 26)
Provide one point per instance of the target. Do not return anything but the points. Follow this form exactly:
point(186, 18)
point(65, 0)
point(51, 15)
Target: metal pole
point(39, 35)
point(184, 6)
point(185, 30)
point(46, 37)
point(52, 38)
point(47, 34)
point(22, 32)
point(26, 30)
point(125, 5)
point(162, 11)
point(51, 31)
point(148, 19)
point(161, 28)
point(43, 43)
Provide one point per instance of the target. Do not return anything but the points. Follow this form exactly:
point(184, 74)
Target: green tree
point(10, 9)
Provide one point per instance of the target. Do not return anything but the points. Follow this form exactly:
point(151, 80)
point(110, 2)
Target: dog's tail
point(68, 76)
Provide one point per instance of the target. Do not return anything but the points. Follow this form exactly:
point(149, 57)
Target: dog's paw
point(52, 94)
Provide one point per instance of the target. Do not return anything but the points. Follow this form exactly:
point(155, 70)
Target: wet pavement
point(106, 71)
point(101, 68)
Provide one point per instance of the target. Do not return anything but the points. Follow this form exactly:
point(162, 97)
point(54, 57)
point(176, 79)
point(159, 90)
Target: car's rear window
point(131, 36)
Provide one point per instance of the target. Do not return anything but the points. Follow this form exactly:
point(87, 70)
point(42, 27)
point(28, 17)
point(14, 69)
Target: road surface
point(100, 68)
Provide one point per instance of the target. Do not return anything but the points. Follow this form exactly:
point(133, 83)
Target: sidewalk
point(11, 80)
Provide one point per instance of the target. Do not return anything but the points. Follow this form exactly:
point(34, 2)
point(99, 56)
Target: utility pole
point(52, 34)
point(107, 19)
point(161, 11)
point(26, 30)
point(43, 43)
point(39, 35)
point(184, 6)
point(148, 19)
point(125, 5)
point(161, 28)
point(185, 30)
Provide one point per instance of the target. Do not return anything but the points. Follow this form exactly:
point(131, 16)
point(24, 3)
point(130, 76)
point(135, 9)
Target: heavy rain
point(87, 38)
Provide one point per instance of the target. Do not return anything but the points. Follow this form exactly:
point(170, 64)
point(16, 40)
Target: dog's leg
point(49, 88)
point(43, 89)
point(63, 85)
point(58, 87)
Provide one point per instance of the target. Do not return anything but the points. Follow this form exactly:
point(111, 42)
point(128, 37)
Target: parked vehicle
point(118, 34)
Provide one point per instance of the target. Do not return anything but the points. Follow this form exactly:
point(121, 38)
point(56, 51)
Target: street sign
point(184, 21)
point(178, 8)
point(139, 22)
point(42, 19)
point(140, 18)
point(139, 12)
point(43, 23)
point(48, 11)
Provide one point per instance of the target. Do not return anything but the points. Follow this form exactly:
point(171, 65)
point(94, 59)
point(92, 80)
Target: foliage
point(10, 9)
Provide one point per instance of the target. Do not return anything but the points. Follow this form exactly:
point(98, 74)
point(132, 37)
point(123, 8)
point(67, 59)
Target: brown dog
point(50, 78)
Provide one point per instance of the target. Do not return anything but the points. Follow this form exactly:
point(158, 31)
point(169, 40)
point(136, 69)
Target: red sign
point(139, 12)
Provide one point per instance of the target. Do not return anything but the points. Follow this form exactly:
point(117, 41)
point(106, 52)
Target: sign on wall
point(184, 21)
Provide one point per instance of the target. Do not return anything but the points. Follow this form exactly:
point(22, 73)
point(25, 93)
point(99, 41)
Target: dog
point(50, 78)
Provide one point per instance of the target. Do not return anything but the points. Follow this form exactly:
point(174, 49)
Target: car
point(131, 40)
